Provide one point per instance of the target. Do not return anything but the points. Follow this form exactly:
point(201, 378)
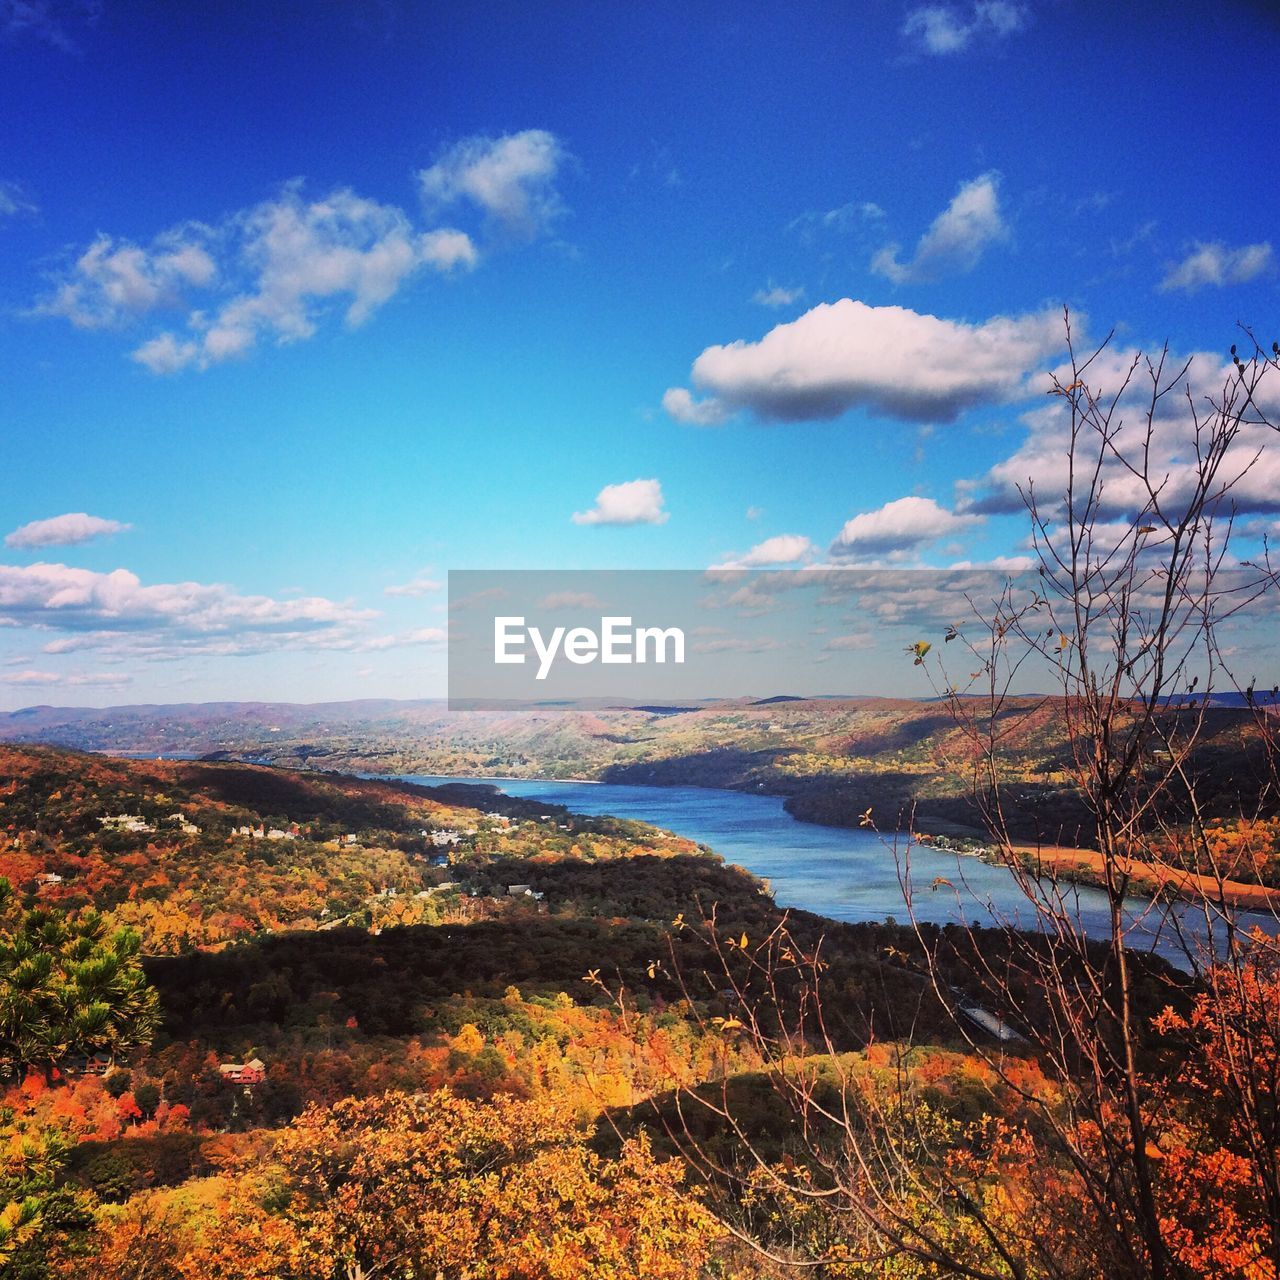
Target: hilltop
point(832, 759)
point(200, 853)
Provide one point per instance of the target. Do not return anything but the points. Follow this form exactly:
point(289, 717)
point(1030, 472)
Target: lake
point(843, 873)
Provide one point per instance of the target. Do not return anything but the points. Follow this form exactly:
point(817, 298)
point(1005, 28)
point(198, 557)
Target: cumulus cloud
point(1001, 564)
point(1041, 461)
point(115, 281)
point(511, 179)
point(784, 548)
point(106, 606)
point(778, 296)
point(64, 531)
point(683, 407)
point(887, 360)
point(901, 525)
point(1215, 264)
point(634, 502)
point(420, 585)
point(276, 271)
point(956, 239)
point(943, 29)
point(302, 257)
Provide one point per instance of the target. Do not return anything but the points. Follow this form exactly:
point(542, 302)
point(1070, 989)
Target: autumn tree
point(403, 1185)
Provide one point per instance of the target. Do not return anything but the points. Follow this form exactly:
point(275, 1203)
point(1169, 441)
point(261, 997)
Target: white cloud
point(943, 29)
point(511, 179)
point(635, 502)
point(1042, 459)
point(778, 296)
point(64, 531)
point(1001, 564)
point(739, 644)
point(33, 677)
point(570, 600)
point(937, 28)
point(431, 637)
point(278, 270)
point(166, 354)
point(681, 406)
point(108, 606)
point(859, 640)
point(956, 238)
point(784, 548)
point(300, 257)
point(115, 281)
point(887, 360)
point(1215, 264)
point(107, 679)
point(447, 250)
point(421, 585)
point(747, 600)
point(842, 219)
point(899, 526)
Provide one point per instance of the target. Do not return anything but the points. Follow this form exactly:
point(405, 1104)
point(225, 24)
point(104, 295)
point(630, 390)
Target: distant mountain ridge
point(831, 759)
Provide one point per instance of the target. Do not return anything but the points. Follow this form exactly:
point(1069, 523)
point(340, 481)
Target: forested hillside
point(360, 945)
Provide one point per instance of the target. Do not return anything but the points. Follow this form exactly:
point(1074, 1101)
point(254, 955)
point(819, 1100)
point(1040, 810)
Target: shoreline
point(1075, 865)
point(1079, 866)
point(1085, 866)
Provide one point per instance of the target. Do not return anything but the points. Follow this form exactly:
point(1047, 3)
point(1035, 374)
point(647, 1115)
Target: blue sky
point(304, 303)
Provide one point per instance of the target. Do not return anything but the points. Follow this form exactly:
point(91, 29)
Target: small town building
point(247, 1073)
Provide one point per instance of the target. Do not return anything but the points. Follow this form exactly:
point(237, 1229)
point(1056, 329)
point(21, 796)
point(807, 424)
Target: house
point(125, 822)
point(49, 877)
point(180, 821)
point(76, 1065)
point(252, 1072)
point(523, 891)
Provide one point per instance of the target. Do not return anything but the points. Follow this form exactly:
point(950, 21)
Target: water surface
point(839, 872)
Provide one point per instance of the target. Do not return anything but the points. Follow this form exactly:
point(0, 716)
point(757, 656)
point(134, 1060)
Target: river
point(843, 873)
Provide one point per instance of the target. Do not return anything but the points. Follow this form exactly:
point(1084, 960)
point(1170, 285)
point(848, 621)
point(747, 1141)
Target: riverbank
point(1086, 866)
point(1075, 864)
